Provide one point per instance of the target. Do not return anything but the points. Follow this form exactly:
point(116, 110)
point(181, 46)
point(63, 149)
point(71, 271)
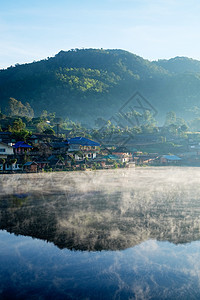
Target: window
point(2, 150)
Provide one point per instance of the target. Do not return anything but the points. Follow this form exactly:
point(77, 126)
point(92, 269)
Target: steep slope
point(77, 82)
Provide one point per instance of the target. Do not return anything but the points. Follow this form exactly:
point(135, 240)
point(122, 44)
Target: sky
point(154, 29)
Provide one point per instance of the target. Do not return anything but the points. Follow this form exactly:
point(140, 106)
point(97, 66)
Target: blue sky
point(35, 29)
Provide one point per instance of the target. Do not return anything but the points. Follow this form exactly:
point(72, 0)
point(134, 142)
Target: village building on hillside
point(83, 148)
point(123, 154)
point(6, 137)
point(10, 166)
point(44, 138)
point(169, 159)
point(59, 147)
point(5, 150)
point(21, 148)
point(41, 150)
point(30, 167)
point(139, 158)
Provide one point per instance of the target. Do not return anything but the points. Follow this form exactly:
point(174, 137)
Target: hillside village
point(45, 152)
point(49, 152)
point(128, 139)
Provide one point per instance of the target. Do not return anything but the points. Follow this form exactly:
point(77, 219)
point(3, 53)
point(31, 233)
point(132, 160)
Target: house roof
point(82, 141)
point(44, 136)
point(121, 149)
point(171, 157)
point(21, 145)
point(5, 133)
point(59, 144)
point(113, 157)
point(29, 163)
point(5, 145)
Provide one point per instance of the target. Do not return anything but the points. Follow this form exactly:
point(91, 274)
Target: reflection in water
point(151, 215)
point(33, 269)
point(105, 210)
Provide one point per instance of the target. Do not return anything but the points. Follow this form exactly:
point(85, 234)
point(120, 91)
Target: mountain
point(84, 84)
point(179, 65)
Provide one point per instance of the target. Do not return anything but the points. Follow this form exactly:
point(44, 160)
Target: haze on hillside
point(84, 84)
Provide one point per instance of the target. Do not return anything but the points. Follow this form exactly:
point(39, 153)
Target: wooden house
point(30, 167)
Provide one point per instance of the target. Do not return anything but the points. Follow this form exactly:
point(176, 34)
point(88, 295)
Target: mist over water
point(136, 233)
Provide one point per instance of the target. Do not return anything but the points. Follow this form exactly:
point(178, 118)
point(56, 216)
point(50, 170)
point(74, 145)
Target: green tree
point(49, 130)
point(18, 125)
point(21, 135)
point(16, 108)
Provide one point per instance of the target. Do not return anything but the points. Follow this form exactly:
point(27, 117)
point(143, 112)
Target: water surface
point(122, 234)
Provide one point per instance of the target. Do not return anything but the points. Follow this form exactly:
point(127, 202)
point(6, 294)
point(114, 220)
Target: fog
point(112, 209)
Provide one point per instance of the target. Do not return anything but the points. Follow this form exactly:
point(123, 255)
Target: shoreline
point(100, 169)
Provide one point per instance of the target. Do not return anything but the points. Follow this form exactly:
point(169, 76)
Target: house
point(21, 148)
point(83, 148)
point(41, 150)
point(123, 153)
point(59, 147)
point(44, 138)
point(58, 162)
point(9, 166)
point(112, 157)
point(42, 164)
point(6, 137)
point(30, 167)
point(5, 150)
point(169, 159)
point(139, 158)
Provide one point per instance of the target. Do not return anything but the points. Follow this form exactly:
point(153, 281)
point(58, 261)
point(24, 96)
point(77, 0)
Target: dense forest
point(85, 84)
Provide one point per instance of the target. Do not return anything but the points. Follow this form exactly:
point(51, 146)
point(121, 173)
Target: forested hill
point(87, 83)
point(179, 65)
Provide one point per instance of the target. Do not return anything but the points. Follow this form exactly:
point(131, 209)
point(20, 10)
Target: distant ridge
point(179, 65)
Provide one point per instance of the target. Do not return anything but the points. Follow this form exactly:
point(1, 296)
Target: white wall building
point(5, 150)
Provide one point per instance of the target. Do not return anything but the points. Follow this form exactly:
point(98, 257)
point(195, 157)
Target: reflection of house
point(30, 166)
point(5, 150)
point(82, 148)
point(21, 148)
point(165, 159)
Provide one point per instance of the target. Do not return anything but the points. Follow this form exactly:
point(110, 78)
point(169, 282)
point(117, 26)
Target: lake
point(109, 234)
